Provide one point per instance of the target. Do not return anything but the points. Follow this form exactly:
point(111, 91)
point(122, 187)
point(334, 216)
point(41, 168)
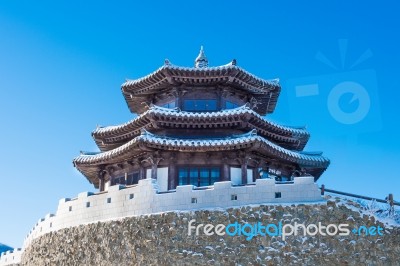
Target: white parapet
point(146, 198)
point(11, 257)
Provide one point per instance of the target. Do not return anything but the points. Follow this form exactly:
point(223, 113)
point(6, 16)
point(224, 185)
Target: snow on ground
point(380, 211)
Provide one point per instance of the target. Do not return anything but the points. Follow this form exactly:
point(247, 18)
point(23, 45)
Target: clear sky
point(62, 64)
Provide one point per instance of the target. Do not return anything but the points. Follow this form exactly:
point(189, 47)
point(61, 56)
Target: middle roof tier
point(180, 123)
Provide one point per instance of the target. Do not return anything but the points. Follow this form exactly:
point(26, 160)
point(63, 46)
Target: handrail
point(389, 198)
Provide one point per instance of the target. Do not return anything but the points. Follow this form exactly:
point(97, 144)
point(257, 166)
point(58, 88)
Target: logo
point(251, 230)
point(346, 101)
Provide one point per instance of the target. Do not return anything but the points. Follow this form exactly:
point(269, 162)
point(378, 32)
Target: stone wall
point(162, 239)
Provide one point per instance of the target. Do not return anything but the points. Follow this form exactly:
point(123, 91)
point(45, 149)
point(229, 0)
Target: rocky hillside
point(163, 239)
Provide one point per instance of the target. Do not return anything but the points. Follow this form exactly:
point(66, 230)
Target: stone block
point(184, 189)
point(265, 182)
point(222, 185)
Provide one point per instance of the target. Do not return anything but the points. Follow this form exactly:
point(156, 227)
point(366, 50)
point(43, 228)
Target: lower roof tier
point(88, 164)
point(293, 138)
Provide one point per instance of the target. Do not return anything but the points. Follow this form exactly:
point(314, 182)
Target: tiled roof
point(231, 143)
point(266, 91)
point(110, 134)
point(204, 74)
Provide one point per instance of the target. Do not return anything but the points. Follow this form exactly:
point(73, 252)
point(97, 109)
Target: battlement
point(10, 257)
point(123, 201)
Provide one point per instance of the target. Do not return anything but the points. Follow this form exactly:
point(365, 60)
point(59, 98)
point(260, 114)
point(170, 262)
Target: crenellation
point(11, 257)
point(147, 200)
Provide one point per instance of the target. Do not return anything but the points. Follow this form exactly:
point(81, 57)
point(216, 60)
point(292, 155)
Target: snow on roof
point(209, 144)
point(204, 71)
point(176, 112)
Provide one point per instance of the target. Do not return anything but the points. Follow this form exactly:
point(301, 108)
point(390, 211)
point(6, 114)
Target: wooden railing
point(389, 199)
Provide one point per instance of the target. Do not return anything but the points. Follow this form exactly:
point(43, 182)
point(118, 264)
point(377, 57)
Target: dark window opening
point(200, 105)
point(230, 105)
point(169, 105)
point(278, 195)
point(282, 179)
point(133, 178)
point(120, 180)
point(198, 176)
point(233, 197)
point(263, 173)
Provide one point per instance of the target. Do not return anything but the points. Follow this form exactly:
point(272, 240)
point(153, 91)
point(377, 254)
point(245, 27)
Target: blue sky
point(62, 64)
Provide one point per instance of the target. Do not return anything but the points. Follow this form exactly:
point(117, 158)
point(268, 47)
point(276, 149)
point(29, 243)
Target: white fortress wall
point(11, 257)
point(150, 196)
point(144, 198)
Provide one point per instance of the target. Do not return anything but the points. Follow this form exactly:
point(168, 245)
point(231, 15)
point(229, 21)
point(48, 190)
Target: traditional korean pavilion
point(199, 125)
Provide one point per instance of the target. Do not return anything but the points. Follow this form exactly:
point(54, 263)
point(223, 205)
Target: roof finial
point(201, 59)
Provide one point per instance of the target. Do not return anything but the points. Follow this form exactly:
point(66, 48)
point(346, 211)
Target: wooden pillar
point(101, 174)
point(391, 204)
point(219, 98)
point(391, 199)
point(267, 170)
point(142, 171)
point(101, 184)
point(244, 162)
point(154, 161)
point(172, 174)
point(154, 170)
point(225, 170)
point(256, 174)
point(179, 97)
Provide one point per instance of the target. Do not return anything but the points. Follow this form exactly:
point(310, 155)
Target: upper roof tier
point(140, 92)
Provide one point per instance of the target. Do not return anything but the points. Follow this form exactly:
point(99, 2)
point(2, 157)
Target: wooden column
point(154, 161)
point(244, 170)
point(243, 159)
point(154, 170)
point(101, 174)
point(219, 98)
point(391, 204)
point(172, 175)
point(256, 173)
point(142, 171)
point(225, 170)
